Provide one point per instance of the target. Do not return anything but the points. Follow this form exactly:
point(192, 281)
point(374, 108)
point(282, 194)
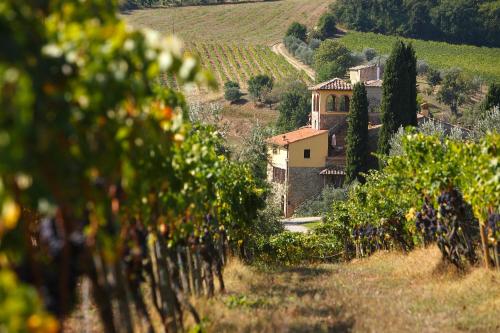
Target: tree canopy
point(297, 30)
point(331, 59)
point(259, 85)
point(455, 21)
point(294, 110)
point(326, 27)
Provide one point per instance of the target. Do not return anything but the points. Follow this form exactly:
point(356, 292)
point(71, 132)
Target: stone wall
point(303, 184)
point(328, 121)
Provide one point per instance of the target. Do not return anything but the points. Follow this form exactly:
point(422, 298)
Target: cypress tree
point(357, 134)
point(392, 97)
point(412, 107)
point(399, 93)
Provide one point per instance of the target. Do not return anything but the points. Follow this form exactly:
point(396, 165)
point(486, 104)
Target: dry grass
point(241, 119)
point(386, 293)
point(254, 23)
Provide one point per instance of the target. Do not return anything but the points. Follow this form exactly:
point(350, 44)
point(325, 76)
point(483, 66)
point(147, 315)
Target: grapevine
point(102, 178)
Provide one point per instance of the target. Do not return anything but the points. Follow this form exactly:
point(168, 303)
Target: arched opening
point(344, 104)
point(331, 104)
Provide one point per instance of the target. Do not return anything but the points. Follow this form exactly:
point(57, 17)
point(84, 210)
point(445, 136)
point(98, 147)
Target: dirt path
point(279, 48)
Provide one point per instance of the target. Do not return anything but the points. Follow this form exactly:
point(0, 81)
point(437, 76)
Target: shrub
point(299, 49)
point(422, 67)
point(231, 84)
point(322, 204)
point(232, 94)
point(369, 53)
point(433, 77)
point(297, 30)
point(326, 26)
point(357, 58)
point(314, 43)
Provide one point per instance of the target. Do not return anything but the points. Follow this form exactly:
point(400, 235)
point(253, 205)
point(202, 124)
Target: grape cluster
point(493, 228)
point(369, 238)
point(427, 223)
point(455, 230)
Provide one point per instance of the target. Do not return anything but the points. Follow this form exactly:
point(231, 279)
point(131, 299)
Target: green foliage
point(357, 134)
point(475, 61)
point(326, 27)
point(254, 150)
point(22, 310)
point(231, 84)
point(259, 85)
point(433, 77)
point(291, 248)
point(99, 159)
point(321, 205)
point(331, 59)
point(299, 49)
point(455, 21)
point(486, 122)
point(232, 94)
point(399, 98)
point(297, 30)
point(492, 99)
point(455, 90)
point(294, 110)
point(380, 213)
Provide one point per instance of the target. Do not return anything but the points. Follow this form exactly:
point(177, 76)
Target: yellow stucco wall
point(319, 151)
point(323, 95)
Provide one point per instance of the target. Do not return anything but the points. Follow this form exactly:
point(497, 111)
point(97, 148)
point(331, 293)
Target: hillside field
point(262, 23)
point(482, 61)
point(238, 63)
point(233, 40)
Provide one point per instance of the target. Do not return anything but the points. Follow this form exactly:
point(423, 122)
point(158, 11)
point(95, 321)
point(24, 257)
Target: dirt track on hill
point(279, 48)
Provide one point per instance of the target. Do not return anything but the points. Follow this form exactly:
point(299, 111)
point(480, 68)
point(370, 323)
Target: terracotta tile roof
point(335, 84)
point(291, 137)
point(374, 83)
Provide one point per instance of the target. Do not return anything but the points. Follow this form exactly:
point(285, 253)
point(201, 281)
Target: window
point(275, 151)
point(331, 104)
point(344, 104)
point(279, 175)
point(307, 153)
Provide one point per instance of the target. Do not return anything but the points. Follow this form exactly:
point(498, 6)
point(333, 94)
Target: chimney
point(378, 72)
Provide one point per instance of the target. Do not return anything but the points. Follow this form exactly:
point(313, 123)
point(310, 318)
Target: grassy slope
point(474, 60)
point(213, 33)
point(253, 23)
point(388, 292)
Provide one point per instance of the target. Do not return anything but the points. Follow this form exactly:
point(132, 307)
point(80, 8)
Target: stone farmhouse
point(302, 162)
